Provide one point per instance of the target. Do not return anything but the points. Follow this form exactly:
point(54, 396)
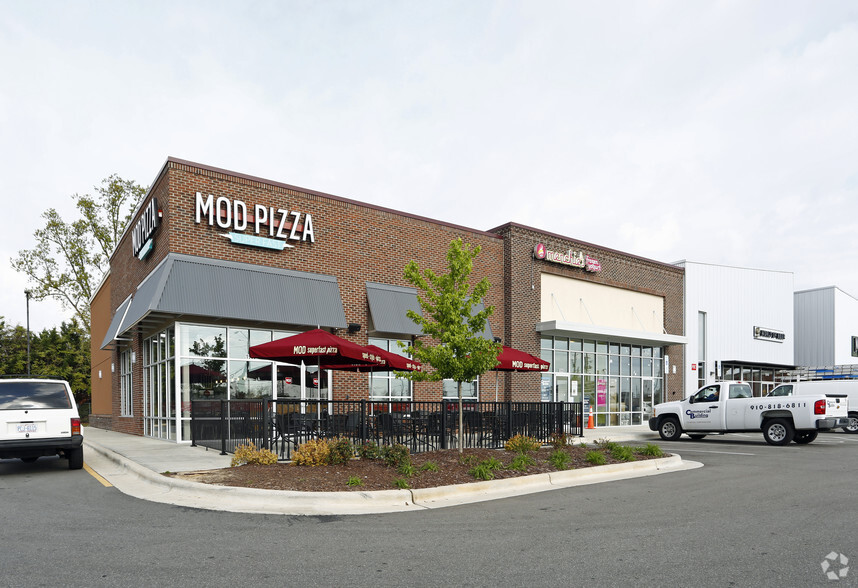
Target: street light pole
point(28, 294)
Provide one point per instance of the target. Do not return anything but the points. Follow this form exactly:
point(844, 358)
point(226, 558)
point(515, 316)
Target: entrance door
point(561, 388)
point(647, 398)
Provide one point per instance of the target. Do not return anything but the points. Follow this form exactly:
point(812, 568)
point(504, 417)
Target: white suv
point(38, 416)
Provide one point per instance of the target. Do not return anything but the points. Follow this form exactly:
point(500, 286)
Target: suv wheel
point(75, 458)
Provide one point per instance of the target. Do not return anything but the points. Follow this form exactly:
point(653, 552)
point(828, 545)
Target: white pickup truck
point(730, 407)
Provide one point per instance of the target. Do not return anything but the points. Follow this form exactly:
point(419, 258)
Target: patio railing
point(283, 425)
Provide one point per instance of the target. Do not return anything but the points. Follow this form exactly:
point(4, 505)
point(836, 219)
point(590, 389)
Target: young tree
point(70, 258)
point(456, 349)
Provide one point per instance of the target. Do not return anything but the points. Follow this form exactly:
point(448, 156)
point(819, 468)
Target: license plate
point(28, 428)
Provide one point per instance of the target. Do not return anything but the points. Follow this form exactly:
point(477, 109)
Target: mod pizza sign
point(569, 257)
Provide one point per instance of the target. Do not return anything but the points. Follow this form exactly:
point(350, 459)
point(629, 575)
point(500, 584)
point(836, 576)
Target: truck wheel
point(669, 429)
point(805, 437)
point(696, 436)
point(778, 432)
point(852, 427)
point(75, 457)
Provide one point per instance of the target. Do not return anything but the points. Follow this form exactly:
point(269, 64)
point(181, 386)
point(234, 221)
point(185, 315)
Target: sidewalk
point(135, 466)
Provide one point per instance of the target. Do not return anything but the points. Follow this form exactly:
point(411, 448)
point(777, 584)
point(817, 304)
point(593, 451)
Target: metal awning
point(116, 324)
point(389, 305)
point(584, 331)
point(388, 308)
point(202, 287)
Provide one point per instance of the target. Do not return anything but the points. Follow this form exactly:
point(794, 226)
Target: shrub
point(623, 453)
point(651, 450)
point(249, 454)
point(606, 444)
point(521, 462)
point(467, 460)
point(354, 481)
point(559, 459)
point(559, 440)
point(429, 466)
point(406, 469)
point(341, 451)
point(369, 451)
point(312, 453)
point(485, 470)
point(401, 483)
point(596, 457)
point(395, 455)
point(522, 444)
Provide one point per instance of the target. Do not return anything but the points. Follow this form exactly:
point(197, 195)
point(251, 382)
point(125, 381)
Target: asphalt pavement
point(136, 466)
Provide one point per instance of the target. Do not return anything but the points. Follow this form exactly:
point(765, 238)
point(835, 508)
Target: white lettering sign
point(145, 228)
point(232, 214)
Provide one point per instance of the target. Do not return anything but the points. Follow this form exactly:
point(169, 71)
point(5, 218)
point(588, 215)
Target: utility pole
point(28, 294)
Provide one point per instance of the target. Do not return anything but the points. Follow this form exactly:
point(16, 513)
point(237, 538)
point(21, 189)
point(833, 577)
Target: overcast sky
point(719, 132)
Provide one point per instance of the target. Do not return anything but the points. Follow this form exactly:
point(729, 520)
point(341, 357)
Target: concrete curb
point(136, 480)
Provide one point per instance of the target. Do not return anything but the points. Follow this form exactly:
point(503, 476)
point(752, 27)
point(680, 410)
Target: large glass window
point(451, 390)
point(386, 386)
point(159, 376)
point(591, 373)
point(126, 407)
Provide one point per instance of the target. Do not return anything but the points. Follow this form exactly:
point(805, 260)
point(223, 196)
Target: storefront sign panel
point(570, 257)
point(769, 335)
point(269, 225)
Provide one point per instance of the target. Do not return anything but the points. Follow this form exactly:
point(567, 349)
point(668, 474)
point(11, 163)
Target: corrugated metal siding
point(814, 326)
point(204, 287)
point(388, 307)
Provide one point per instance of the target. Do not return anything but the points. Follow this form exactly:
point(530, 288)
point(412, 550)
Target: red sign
point(287, 380)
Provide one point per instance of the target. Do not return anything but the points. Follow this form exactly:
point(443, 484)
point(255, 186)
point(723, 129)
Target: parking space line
point(95, 475)
point(722, 452)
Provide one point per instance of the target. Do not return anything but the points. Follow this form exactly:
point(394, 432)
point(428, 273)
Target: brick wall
point(522, 294)
point(357, 243)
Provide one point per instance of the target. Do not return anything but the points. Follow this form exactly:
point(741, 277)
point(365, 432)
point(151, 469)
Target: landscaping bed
point(427, 470)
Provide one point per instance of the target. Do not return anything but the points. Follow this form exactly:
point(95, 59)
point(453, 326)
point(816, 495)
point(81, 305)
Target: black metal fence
point(226, 424)
point(283, 425)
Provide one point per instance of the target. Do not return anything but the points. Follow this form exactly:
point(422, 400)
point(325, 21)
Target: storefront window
point(202, 341)
point(593, 375)
point(386, 385)
point(469, 390)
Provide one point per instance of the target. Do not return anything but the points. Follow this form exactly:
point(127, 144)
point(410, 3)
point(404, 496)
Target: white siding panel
point(845, 327)
point(735, 301)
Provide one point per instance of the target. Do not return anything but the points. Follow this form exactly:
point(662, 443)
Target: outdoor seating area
point(283, 425)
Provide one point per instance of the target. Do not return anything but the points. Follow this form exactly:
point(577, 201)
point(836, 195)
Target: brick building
point(214, 262)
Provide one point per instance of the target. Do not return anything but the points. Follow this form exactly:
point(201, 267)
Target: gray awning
point(566, 329)
point(116, 324)
point(388, 308)
point(197, 286)
point(487, 332)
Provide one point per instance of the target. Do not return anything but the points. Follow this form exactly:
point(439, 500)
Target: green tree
point(61, 352)
point(456, 349)
point(70, 258)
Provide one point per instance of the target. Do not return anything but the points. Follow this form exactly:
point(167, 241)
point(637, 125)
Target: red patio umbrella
point(396, 362)
point(515, 360)
point(392, 362)
point(334, 352)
